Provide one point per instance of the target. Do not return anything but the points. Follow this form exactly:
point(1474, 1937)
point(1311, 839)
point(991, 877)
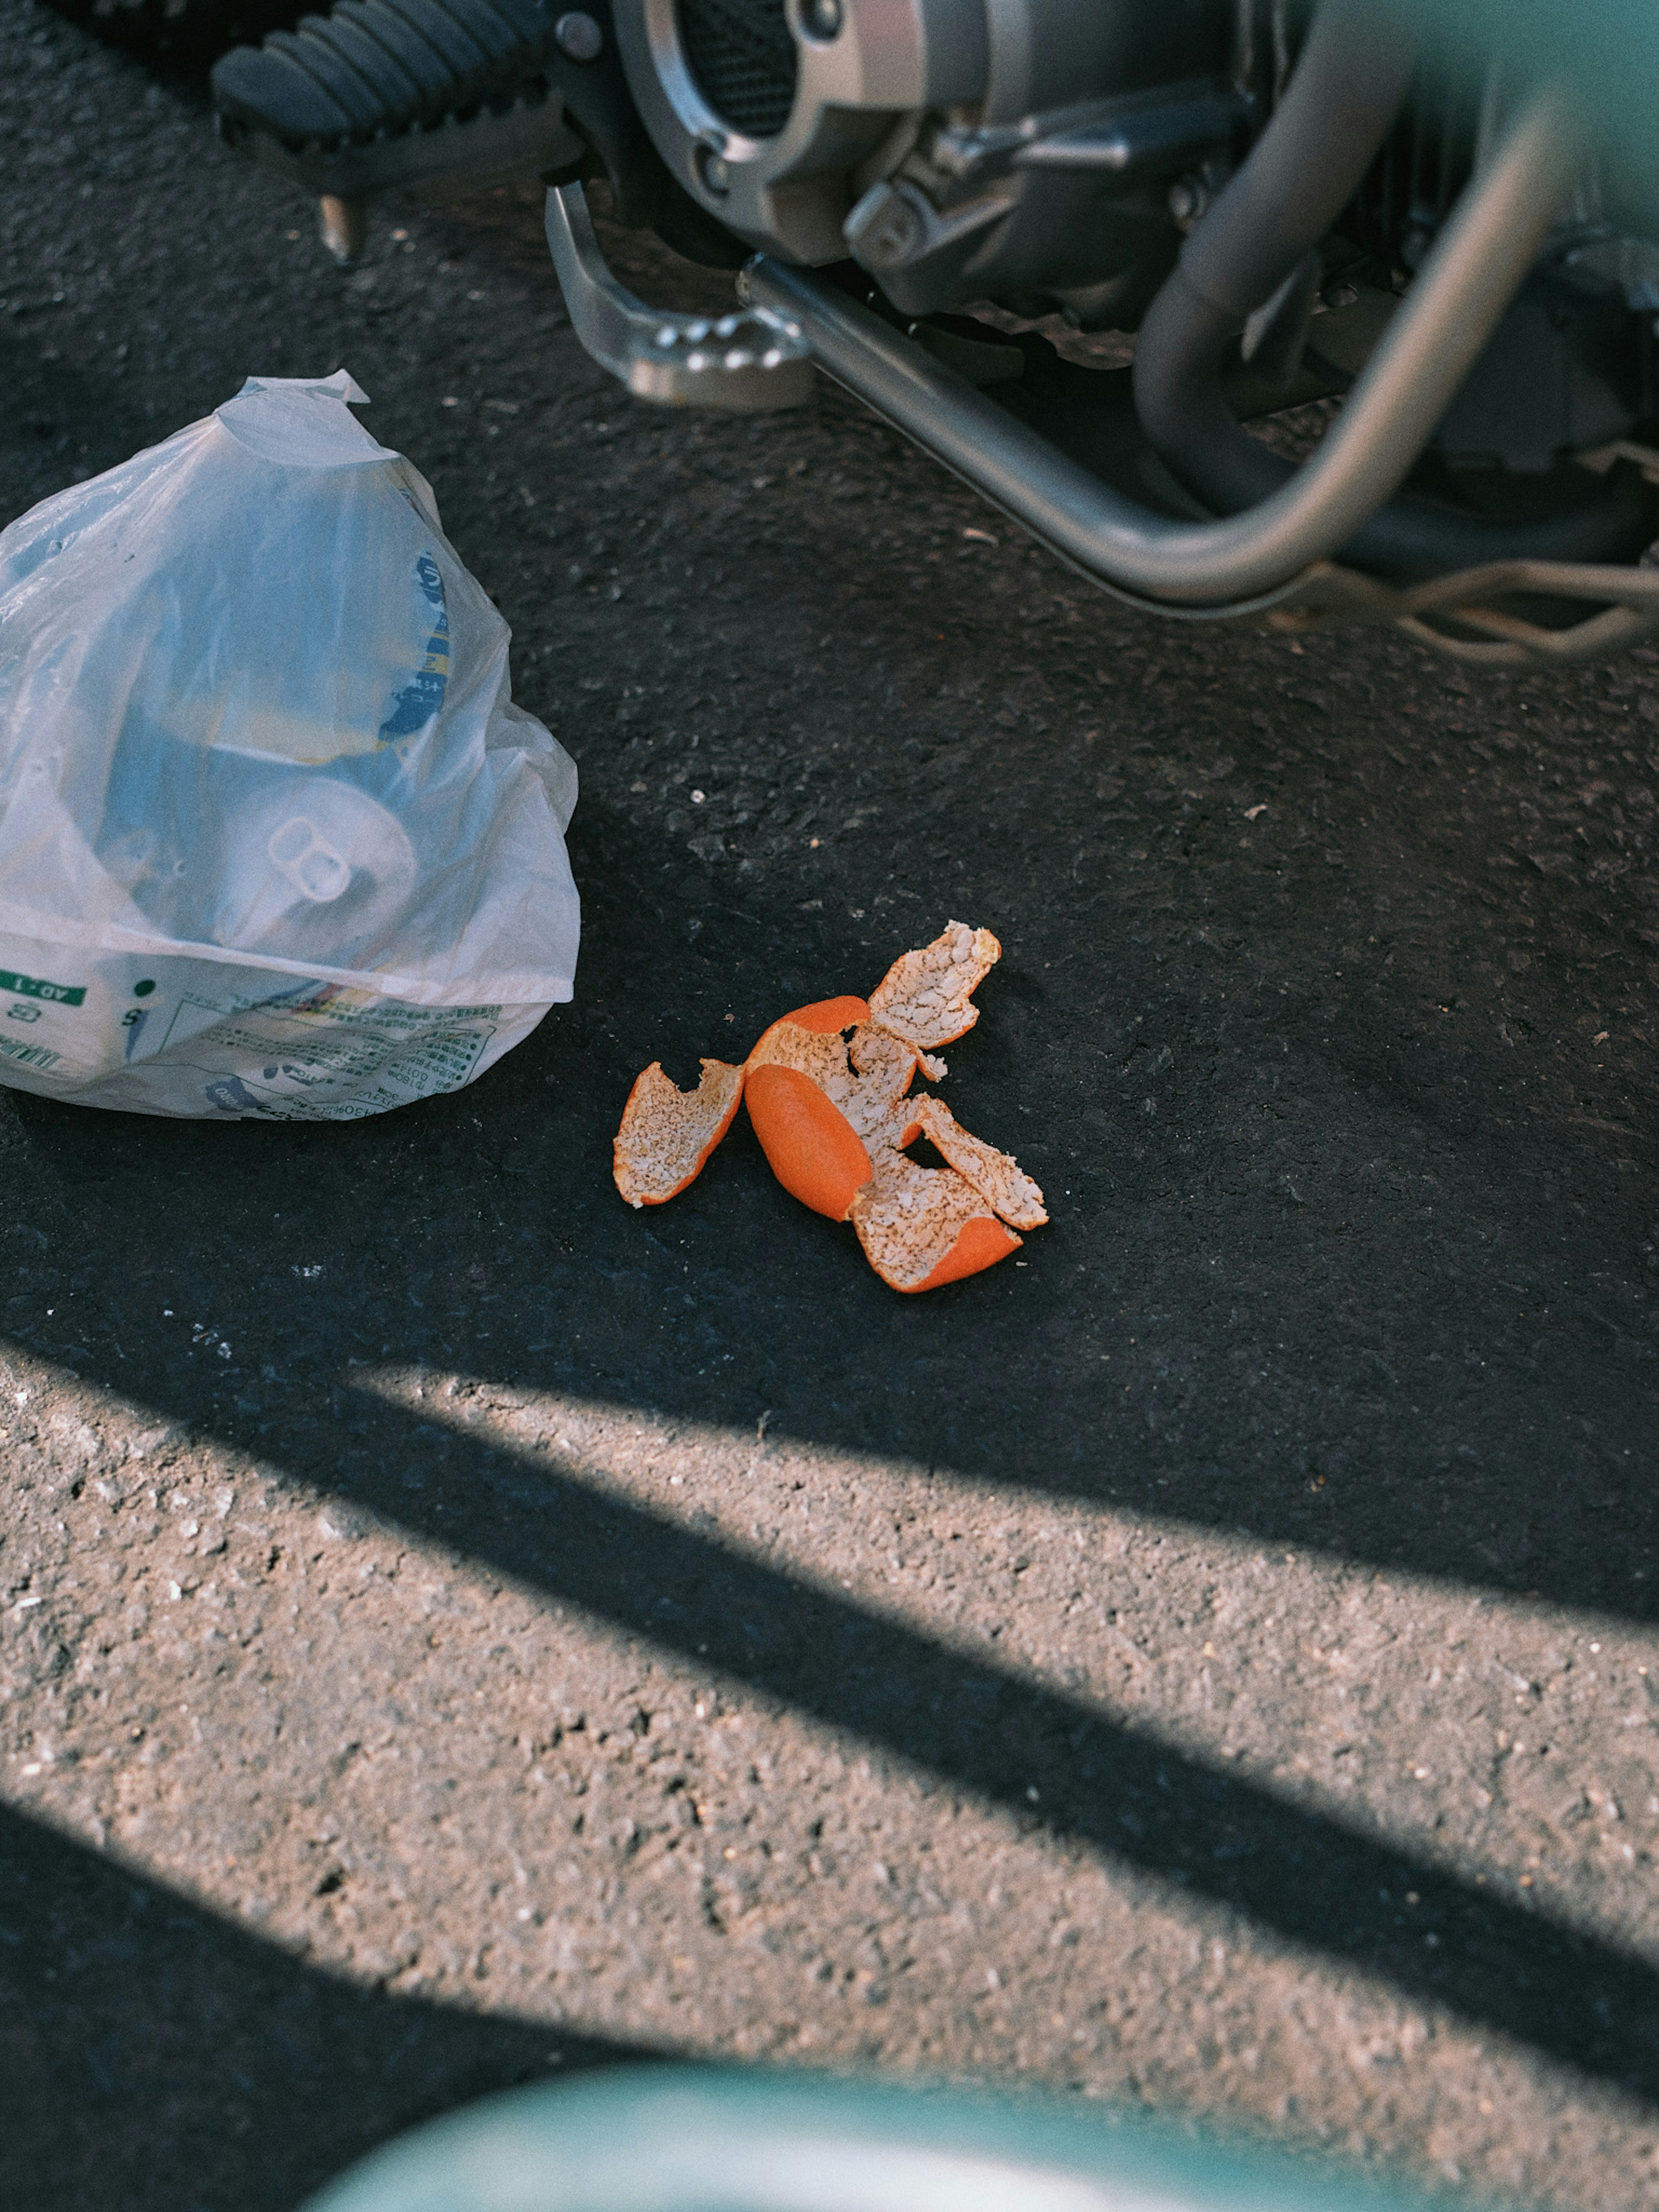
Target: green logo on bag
point(30, 987)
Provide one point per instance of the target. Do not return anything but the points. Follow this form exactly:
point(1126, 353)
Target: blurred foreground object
point(698, 2140)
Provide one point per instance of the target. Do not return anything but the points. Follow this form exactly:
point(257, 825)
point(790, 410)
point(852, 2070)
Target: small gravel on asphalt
point(455, 1628)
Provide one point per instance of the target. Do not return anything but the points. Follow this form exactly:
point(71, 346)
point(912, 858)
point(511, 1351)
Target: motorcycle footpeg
point(384, 94)
point(748, 362)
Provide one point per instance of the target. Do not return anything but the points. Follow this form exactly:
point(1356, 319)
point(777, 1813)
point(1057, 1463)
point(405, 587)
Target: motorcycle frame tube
point(1348, 84)
point(1350, 80)
point(1246, 560)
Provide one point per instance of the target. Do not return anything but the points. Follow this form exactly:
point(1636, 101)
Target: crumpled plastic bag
point(274, 839)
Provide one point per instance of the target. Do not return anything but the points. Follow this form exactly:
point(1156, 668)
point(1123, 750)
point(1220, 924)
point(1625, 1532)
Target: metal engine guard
point(762, 358)
point(1469, 616)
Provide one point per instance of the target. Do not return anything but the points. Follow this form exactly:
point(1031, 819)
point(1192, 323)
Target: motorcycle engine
point(1049, 156)
point(1250, 185)
point(957, 149)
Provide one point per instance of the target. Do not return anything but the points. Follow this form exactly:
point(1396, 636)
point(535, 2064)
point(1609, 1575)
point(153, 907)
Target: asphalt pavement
point(455, 1628)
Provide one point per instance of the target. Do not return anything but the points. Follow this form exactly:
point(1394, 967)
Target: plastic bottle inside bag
point(229, 665)
point(257, 734)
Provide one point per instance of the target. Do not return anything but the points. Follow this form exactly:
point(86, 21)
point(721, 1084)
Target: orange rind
point(667, 1133)
point(879, 1106)
point(865, 1084)
point(926, 997)
point(820, 1054)
point(810, 1145)
point(921, 1227)
point(997, 1177)
point(828, 1088)
point(823, 1015)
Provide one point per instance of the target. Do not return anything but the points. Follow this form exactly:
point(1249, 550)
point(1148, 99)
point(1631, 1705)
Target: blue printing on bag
point(418, 703)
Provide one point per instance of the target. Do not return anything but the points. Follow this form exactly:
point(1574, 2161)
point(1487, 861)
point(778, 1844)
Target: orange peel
point(864, 1083)
point(810, 1145)
point(828, 1088)
point(824, 1014)
point(922, 1227)
point(926, 997)
point(667, 1133)
point(997, 1177)
point(820, 1054)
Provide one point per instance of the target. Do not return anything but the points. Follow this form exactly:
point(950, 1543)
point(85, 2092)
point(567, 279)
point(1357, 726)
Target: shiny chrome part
point(343, 225)
point(977, 146)
point(782, 169)
point(1250, 560)
point(1124, 137)
point(982, 206)
point(1477, 615)
point(746, 363)
point(579, 37)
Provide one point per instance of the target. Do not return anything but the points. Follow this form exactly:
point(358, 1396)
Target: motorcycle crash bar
point(1253, 559)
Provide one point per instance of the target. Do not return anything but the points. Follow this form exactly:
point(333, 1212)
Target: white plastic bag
point(274, 839)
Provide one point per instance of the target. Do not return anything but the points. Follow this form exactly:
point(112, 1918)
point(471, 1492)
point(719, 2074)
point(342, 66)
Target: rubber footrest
point(375, 69)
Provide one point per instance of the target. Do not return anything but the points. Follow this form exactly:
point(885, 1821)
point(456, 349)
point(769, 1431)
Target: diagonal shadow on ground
point(978, 1727)
point(258, 2077)
point(1360, 1228)
point(478, 1231)
point(1049, 1757)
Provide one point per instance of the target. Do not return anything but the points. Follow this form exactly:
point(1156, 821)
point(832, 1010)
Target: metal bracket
point(1122, 138)
point(1485, 615)
point(746, 363)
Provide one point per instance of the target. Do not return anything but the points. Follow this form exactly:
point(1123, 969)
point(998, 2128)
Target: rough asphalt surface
point(455, 1628)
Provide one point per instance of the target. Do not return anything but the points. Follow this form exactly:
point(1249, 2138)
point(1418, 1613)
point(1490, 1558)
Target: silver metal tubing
point(1451, 310)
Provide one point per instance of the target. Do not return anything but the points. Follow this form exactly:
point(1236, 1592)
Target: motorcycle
point(1431, 231)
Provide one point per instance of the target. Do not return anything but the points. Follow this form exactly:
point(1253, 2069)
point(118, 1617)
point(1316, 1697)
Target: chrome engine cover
point(778, 116)
point(773, 127)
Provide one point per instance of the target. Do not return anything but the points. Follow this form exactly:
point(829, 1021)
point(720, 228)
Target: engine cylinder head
point(775, 113)
point(780, 116)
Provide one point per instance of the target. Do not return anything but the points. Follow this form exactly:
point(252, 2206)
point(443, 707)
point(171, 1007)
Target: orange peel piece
point(825, 1014)
point(667, 1133)
point(811, 1038)
point(820, 1054)
point(810, 1145)
point(865, 1087)
point(921, 1227)
point(884, 1067)
point(828, 1088)
point(997, 1177)
point(926, 997)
